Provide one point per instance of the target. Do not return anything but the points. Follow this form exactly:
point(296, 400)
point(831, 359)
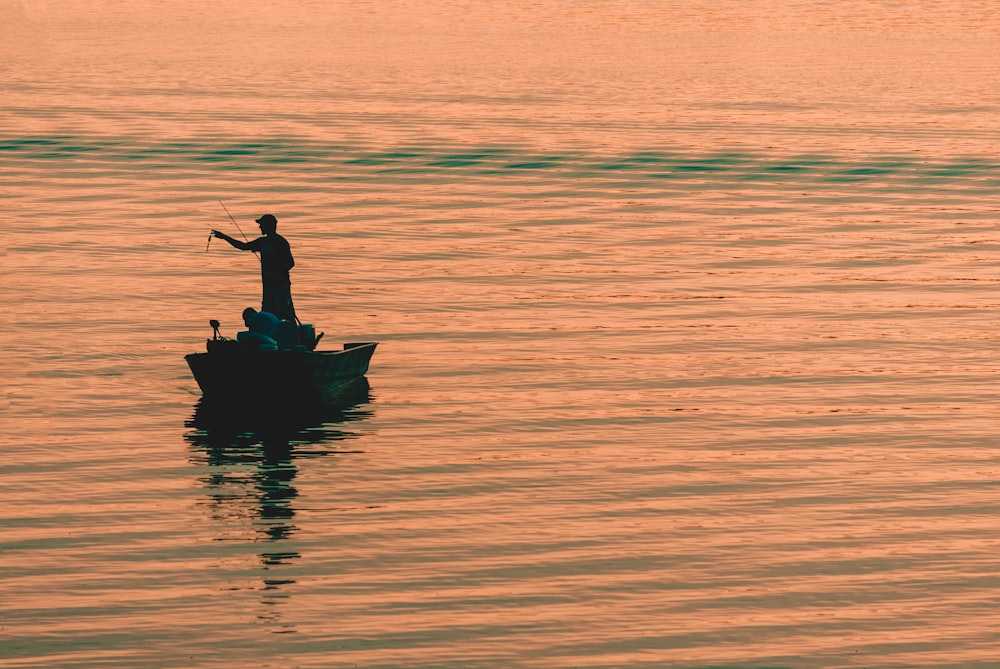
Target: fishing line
point(245, 238)
point(234, 222)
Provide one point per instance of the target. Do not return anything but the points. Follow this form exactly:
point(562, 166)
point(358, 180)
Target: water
point(686, 318)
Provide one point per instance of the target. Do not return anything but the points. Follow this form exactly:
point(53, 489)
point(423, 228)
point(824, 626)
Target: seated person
point(261, 322)
point(260, 328)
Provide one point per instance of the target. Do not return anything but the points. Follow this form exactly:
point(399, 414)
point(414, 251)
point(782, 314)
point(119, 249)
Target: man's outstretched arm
point(242, 246)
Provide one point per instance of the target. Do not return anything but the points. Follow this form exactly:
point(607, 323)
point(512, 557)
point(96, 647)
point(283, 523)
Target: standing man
point(275, 262)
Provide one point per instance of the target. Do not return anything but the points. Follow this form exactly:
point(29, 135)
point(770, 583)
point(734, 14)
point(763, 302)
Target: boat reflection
point(251, 453)
point(250, 457)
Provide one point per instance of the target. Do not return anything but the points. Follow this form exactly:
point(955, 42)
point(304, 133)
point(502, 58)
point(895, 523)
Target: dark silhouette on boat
point(292, 372)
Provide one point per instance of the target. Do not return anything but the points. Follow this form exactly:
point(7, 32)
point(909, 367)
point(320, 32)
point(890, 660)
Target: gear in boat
point(266, 332)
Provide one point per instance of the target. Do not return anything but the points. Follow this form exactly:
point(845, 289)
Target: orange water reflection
point(689, 322)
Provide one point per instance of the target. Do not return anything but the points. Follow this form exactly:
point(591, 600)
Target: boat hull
point(235, 372)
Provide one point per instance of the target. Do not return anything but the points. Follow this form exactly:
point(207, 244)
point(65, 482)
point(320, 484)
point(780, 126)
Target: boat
point(243, 370)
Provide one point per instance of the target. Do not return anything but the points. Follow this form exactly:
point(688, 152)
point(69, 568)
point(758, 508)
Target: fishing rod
point(245, 238)
point(234, 222)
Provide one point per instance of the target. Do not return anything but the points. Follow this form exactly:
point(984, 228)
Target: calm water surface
point(687, 324)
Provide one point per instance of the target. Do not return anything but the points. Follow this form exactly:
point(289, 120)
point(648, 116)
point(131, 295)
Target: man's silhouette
point(275, 262)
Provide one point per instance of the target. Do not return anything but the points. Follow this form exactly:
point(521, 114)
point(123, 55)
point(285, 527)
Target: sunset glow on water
point(686, 316)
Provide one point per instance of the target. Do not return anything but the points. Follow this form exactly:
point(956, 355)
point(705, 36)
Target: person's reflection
point(276, 490)
point(251, 455)
point(251, 473)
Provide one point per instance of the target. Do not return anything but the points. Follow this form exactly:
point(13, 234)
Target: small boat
point(235, 370)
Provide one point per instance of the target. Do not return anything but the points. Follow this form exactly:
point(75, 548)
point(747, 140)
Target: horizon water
point(686, 316)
